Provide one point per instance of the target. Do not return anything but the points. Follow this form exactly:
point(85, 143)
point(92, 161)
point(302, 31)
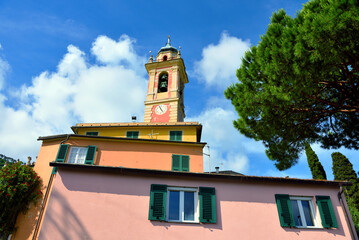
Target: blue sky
point(63, 62)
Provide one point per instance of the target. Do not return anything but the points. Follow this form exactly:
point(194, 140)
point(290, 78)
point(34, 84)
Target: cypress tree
point(343, 170)
point(314, 164)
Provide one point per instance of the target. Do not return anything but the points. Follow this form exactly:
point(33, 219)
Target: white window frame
point(181, 210)
point(301, 212)
point(77, 155)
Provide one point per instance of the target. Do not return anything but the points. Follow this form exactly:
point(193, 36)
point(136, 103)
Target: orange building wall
point(26, 222)
point(136, 154)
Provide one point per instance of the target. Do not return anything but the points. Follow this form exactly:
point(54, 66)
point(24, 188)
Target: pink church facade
point(94, 202)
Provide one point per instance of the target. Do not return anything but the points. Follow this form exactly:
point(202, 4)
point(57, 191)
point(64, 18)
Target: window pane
point(307, 213)
point(173, 210)
point(296, 214)
point(189, 206)
point(81, 156)
point(77, 155)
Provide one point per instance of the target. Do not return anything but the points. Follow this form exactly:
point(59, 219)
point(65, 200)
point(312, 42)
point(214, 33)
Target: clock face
point(161, 109)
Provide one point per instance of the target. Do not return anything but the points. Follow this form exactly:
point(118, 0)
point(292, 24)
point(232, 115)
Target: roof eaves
point(118, 138)
point(245, 178)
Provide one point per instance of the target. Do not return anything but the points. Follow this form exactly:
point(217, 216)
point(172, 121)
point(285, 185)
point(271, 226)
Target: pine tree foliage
point(315, 166)
point(300, 83)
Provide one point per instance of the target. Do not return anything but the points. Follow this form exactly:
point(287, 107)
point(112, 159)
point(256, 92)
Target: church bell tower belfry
point(167, 77)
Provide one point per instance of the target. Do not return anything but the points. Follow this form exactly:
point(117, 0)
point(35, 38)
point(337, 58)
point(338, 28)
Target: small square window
point(77, 155)
point(182, 205)
point(132, 134)
point(175, 135)
point(92, 133)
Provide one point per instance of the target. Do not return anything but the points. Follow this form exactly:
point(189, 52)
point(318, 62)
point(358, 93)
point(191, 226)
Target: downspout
point(347, 215)
point(46, 197)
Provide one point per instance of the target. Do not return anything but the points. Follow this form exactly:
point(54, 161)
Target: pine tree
point(314, 164)
point(296, 85)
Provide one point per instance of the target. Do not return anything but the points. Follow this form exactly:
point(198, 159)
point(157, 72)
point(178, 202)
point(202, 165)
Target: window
point(176, 135)
point(78, 155)
point(180, 163)
point(303, 212)
point(299, 211)
point(92, 133)
point(180, 204)
point(132, 134)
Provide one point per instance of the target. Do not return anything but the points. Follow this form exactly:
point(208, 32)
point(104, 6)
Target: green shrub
point(19, 186)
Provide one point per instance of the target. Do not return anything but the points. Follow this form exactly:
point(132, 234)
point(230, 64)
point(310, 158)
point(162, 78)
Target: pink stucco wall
point(113, 206)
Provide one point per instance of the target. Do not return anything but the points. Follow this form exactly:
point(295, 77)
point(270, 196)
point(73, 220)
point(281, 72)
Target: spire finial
point(151, 58)
point(169, 39)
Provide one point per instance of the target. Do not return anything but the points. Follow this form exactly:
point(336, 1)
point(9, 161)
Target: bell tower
point(167, 77)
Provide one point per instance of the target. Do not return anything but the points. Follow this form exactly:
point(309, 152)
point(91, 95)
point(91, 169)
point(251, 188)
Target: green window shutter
point(90, 155)
point(176, 162)
point(158, 201)
point(132, 134)
point(326, 212)
point(207, 205)
point(175, 135)
point(284, 210)
point(185, 163)
point(61, 154)
point(92, 133)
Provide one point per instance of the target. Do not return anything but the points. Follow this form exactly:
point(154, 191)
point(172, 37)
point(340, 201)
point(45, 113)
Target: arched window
point(163, 82)
point(165, 58)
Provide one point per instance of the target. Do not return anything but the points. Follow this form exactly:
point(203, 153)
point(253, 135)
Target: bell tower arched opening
point(163, 82)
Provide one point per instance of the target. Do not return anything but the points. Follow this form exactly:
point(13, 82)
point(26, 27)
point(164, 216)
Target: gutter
point(45, 198)
point(68, 136)
point(344, 205)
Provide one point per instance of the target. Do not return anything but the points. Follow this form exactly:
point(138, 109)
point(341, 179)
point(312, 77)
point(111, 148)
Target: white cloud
point(4, 68)
point(228, 148)
point(219, 62)
point(108, 51)
point(78, 91)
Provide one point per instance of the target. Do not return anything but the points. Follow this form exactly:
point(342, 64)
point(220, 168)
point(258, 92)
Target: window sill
point(308, 227)
point(171, 221)
point(191, 222)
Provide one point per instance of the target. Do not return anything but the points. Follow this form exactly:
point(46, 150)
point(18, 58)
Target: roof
point(168, 47)
point(68, 136)
point(175, 174)
point(227, 172)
